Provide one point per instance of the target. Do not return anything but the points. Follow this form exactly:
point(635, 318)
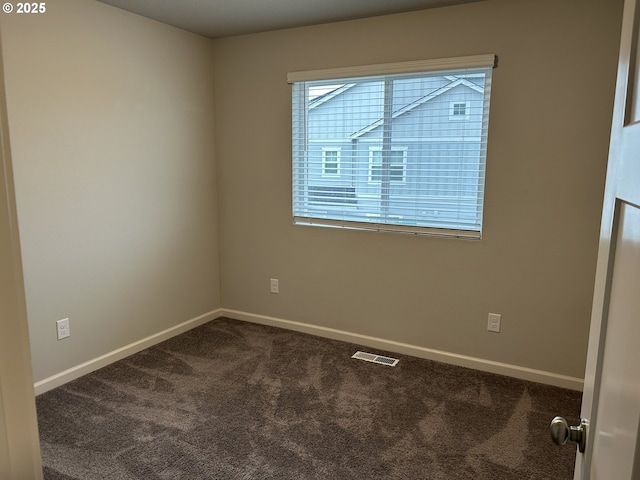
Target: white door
point(611, 400)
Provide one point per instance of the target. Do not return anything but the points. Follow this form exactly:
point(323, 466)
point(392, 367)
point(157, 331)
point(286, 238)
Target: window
point(458, 111)
point(330, 162)
point(396, 165)
point(391, 159)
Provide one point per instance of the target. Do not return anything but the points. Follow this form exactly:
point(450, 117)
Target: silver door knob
point(561, 432)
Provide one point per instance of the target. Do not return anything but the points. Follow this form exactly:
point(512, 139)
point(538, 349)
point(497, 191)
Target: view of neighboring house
point(417, 162)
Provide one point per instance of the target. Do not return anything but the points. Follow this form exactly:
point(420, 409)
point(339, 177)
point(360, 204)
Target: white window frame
point(404, 164)
point(455, 226)
point(337, 162)
point(456, 116)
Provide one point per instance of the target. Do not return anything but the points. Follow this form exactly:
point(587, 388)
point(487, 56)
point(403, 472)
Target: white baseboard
point(524, 373)
point(135, 347)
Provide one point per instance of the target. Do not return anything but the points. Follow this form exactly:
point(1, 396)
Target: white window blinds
point(412, 141)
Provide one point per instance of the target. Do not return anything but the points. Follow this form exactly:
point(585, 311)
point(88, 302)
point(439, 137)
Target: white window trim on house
point(453, 115)
point(404, 164)
point(338, 172)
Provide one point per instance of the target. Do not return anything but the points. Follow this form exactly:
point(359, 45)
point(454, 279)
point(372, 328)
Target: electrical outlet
point(62, 327)
point(493, 323)
point(275, 287)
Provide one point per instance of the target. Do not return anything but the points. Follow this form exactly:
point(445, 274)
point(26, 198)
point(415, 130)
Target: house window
point(391, 158)
point(330, 162)
point(458, 110)
point(397, 162)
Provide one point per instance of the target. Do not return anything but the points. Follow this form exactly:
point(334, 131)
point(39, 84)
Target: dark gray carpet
point(233, 400)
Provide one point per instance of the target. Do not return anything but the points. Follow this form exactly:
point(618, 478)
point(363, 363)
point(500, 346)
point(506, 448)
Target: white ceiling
point(221, 18)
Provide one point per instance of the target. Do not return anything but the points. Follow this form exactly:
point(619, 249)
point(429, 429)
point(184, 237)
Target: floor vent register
point(371, 357)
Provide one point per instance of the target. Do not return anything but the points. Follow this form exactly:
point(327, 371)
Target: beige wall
point(111, 119)
point(548, 138)
point(19, 446)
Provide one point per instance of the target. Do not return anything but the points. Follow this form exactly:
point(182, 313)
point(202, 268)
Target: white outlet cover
point(62, 328)
point(493, 322)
